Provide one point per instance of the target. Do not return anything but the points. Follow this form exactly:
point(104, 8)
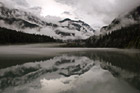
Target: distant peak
point(66, 19)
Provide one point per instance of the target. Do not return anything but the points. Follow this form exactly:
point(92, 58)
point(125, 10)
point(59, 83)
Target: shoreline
point(19, 54)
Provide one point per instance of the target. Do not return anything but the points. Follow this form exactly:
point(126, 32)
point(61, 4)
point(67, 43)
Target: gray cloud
point(68, 2)
point(100, 12)
point(21, 2)
point(95, 12)
point(22, 5)
point(15, 3)
point(66, 12)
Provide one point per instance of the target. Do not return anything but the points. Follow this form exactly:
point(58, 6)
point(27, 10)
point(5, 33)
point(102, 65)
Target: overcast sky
point(97, 13)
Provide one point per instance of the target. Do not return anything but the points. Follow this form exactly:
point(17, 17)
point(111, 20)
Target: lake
point(38, 68)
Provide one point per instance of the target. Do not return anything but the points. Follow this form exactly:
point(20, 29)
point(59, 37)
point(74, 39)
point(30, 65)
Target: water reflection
point(84, 72)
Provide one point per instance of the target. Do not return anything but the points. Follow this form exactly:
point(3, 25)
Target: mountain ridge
point(20, 20)
point(123, 32)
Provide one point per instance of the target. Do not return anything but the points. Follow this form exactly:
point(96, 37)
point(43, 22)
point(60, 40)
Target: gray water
point(32, 70)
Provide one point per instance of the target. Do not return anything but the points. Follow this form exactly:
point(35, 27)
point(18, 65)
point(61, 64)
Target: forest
point(126, 37)
point(13, 37)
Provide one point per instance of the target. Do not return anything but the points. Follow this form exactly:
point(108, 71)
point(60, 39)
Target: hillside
point(123, 32)
point(26, 21)
point(126, 37)
point(8, 36)
point(124, 20)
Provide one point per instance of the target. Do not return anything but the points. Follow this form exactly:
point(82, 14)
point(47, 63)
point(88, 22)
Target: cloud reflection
point(63, 74)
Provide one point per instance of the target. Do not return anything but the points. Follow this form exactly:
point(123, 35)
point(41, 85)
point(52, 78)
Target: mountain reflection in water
point(83, 72)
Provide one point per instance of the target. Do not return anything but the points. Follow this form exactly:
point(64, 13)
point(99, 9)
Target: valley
point(75, 46)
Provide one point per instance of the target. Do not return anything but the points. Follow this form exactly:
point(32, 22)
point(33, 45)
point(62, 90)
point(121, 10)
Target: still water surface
point(83, 71)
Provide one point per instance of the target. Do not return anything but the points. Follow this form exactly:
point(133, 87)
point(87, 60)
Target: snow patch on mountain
point(28, 22)
point(124, 20)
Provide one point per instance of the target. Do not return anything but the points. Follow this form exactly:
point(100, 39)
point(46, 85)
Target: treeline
point(126, 37)
point(13, 37)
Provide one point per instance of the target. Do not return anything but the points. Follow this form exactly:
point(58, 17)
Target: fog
point(97, 13)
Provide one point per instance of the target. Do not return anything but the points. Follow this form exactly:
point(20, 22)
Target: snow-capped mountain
point(28, 73)
point(26, 21)
point(79, 27)
point(22, 18)
point(125, 20)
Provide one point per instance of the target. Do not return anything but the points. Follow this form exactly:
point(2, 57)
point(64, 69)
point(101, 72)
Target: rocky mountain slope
point(21, 20)
point(64, 65)
point(123, 32)
point(125, 20)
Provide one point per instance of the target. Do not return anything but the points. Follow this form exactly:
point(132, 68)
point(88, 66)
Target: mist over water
point(60, 46)
point(85, 71)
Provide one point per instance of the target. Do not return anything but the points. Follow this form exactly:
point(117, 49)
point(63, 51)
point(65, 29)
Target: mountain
point(76, 25)
point(126, 37)
point(26, 21)
point(125, 20)
point(27, 73)
point(21, 19)
point(123, 32)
